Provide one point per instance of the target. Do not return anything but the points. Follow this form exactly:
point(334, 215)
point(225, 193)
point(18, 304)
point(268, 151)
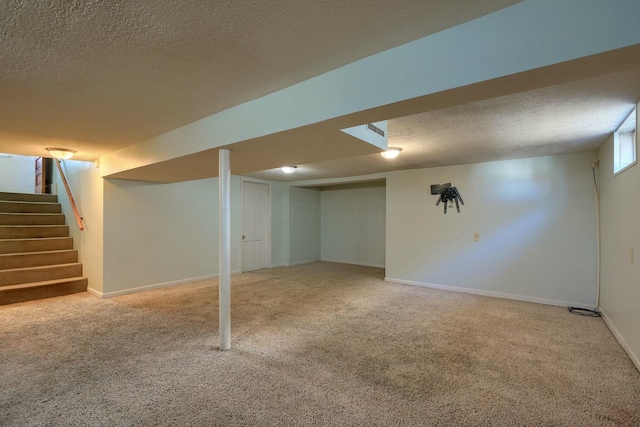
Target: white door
point(256, 248)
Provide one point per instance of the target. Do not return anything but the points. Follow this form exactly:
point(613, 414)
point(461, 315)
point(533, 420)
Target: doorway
point(256, 225)
point(43, 175)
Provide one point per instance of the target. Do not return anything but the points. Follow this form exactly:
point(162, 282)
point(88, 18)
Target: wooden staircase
point(37, 259)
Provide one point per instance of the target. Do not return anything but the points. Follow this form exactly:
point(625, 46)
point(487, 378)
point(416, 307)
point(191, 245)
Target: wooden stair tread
point(39, 267)
point(33, 231)
point(31, 213)
point(40, 290)
point(11, 206)
point(55, 251)
point(26, 202)
point(43, 283)
point(29, 202)
point(61, 270)
point(31, 226)
point(14, 260)
point(27, 197)
point(35, 244)
point(33, 239)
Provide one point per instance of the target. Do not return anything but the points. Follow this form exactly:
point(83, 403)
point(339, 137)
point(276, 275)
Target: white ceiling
point(570, 117)
point(99, 75)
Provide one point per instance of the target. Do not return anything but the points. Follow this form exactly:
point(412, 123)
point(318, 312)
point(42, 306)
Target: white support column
point(224, 237)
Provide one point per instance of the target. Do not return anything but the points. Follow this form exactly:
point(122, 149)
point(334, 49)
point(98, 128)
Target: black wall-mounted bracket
point(439, 188)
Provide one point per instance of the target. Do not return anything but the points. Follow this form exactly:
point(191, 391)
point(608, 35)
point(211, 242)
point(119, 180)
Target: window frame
point(616, 143)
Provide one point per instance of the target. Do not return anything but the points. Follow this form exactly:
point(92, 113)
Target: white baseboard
point(153, 286)
point(495, 294)
point(634, 357)
point(94, 292)
point(364, 264)
point(279, 265)
point(309, 261)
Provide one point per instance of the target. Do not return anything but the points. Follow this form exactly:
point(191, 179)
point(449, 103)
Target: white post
point(224, 237)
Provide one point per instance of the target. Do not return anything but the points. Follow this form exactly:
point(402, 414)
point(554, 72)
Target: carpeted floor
point(320, 344)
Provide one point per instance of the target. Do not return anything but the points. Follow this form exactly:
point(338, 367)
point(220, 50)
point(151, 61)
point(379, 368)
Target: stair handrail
point(70, 196)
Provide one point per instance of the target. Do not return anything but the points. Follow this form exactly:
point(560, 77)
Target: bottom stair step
point(40, 273)
point(39, 290)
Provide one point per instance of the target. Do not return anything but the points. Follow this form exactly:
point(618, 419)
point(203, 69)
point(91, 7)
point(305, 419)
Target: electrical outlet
point(476, 237)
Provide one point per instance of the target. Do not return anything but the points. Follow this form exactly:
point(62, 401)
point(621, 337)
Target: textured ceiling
point(99, 75)
point(570, 117)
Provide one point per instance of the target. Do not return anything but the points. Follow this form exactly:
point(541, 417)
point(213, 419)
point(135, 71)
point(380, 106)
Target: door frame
point(268, 231)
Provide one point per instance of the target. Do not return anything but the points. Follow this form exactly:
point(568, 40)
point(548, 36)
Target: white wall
point(353, 223)
point(161, 233)
point(620, 231)
point(17, 174)
point(87, 190)
point(279, 224)
point(535, 218)
point(536, 221)
point(304, 225)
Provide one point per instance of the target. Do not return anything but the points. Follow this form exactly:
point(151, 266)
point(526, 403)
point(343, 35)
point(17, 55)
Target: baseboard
point(94, 292)
point(153, 286)
point(495, 294)
point(364, 264)
point(304, 262)
point(279, 265)
point(634, 358)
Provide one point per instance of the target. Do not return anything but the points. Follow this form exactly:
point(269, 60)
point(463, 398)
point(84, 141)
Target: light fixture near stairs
point(37, 259)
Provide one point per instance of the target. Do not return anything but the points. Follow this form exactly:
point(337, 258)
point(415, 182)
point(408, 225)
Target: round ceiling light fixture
point(289, 169)
point(61, 153)
point(391, 153)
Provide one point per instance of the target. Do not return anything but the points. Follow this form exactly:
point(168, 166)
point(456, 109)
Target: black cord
point(584, 311)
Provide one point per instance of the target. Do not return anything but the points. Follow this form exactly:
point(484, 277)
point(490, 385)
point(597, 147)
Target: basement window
point(624, 144)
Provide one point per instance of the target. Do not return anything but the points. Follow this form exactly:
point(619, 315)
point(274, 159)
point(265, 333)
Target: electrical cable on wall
point(596, 311)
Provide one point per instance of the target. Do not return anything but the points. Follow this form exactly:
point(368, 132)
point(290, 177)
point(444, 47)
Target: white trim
point(268, 233)
point(634, 358)
point(495, 294)
point(94, 292)
point(153, 286)
point(616, 142)
point(635, 162)
point(309, 261)
point(256, 180)
point(364, 264)
point(283, 264)
point(343, 180)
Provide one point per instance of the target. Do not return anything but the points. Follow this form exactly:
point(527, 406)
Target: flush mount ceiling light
point(289, 169)
point(61, 153)
point(391, 153)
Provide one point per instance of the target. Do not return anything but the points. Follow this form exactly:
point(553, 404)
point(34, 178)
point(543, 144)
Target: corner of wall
point(620, 235)
point(87, 190)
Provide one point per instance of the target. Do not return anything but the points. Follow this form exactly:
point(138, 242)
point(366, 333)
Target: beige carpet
point(321, 344)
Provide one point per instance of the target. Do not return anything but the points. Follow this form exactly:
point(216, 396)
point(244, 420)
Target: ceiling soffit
point(97, 76)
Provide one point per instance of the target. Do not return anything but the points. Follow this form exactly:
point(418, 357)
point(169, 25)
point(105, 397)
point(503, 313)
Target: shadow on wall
point(17, 173)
